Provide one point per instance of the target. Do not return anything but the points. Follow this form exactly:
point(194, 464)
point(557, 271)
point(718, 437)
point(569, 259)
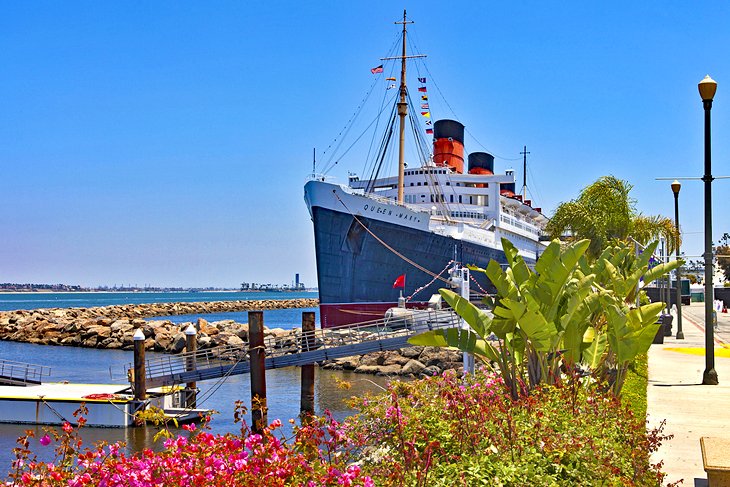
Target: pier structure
point(349, 340)
point(260, 353)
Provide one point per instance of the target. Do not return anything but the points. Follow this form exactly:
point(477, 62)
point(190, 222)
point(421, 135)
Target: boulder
point(437, 356)
point(201, 325)
point(178, 343)
point(379, 369)
point(242, 331)
point(372, 359)
point(234, 341)
point(394, 358)
point(121, 326)
point(110, 343)
point(347, 363)
point(411, 352)
point(204, 341)
point(413, 367)
point(430, 371)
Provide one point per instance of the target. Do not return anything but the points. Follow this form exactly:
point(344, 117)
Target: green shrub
point(634, 391)
point(448, 431)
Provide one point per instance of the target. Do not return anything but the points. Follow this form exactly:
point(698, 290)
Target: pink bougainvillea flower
point(45, 440)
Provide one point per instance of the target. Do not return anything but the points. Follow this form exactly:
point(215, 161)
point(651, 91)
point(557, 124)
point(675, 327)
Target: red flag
point(422, 89)
point(429, 131)
point(400, 282)
point(377, 69)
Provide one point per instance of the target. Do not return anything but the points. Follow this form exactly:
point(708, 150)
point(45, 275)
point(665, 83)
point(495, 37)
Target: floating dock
point(25, 399)
point(55, 403)
point(109, 405)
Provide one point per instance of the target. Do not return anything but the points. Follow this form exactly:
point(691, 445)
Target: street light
point(676, 186)
point(707, 88)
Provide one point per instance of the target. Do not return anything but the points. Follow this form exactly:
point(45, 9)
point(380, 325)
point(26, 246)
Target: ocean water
point(11, 301)
point(98, 366)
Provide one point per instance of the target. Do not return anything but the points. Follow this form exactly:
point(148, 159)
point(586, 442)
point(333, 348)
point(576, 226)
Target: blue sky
point(167, 143)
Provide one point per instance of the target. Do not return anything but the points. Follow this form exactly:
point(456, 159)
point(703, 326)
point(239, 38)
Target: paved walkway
point(675, 394)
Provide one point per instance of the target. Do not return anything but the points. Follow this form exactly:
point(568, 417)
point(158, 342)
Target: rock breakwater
point(113, 326)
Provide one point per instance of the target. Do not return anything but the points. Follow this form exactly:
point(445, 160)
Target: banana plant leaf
point(464, 340)
point(476, 318)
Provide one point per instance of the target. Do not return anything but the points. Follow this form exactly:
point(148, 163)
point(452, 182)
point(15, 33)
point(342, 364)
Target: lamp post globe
point(676, 186)
point(707, 88)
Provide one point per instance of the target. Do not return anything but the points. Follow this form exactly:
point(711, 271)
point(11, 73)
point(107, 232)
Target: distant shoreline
point(46, 291)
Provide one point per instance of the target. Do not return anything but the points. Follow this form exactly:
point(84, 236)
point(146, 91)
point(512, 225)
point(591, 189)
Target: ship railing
point(21, 373)
point(321, 177)
point(519, 224)
point(365, 337)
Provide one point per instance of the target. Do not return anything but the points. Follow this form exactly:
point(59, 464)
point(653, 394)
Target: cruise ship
point(449, 210)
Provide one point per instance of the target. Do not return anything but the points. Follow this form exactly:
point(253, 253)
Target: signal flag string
point(432, 281)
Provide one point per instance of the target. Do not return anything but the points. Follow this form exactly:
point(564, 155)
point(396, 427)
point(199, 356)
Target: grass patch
point(634, 390)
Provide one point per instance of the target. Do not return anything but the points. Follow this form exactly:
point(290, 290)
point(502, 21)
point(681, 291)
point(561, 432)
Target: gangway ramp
point(307, 348)
point(21, 373)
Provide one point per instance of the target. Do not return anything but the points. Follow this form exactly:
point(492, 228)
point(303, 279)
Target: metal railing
point(21, 373)
point(298, 348)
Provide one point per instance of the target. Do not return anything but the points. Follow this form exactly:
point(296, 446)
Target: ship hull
point(359, 258)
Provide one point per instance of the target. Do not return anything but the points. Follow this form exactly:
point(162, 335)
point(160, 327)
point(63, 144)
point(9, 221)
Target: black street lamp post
point(707, 88)
point(676, 186)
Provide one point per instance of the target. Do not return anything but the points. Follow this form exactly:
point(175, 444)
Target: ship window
point(436, 183)
point(448, 183)
point(432, 198)
point(459, 198)
point(411, 184)
point(419, 183)
point(425, 183)
point(452, 198)
point(458, 184)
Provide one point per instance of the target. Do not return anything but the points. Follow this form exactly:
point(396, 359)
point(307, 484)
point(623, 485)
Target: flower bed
point(445, 430)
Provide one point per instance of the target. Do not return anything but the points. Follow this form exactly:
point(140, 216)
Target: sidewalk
point(676, 394)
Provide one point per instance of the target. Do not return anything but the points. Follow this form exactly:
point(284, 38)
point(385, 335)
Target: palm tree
point(604, 211)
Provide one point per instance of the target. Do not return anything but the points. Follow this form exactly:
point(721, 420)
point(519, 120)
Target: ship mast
point(402, 107)
point(402, 112)
point(524, 173)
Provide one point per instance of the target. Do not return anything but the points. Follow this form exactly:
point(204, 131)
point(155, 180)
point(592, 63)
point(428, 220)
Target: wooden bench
point(716, 460)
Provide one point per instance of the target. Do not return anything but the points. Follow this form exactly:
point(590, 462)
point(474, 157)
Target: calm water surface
point(10, 301)
point(92, 365)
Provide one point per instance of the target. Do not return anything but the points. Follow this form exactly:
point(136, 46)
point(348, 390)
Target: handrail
point(21, 373)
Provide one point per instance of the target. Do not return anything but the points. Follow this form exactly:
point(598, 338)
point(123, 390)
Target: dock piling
point(257, 358)
point(307, 380)
point(140, 380)
point(191, 345)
